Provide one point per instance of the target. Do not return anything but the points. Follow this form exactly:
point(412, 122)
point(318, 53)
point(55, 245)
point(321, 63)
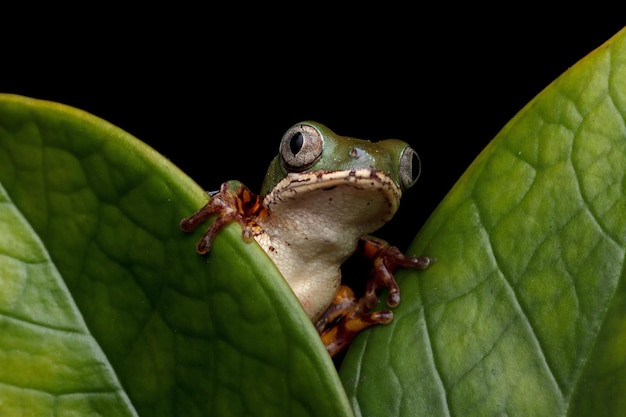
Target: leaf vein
point(519, 308)
point(433, 360)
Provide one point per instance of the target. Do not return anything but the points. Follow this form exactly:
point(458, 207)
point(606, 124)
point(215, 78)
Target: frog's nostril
point(356, 153)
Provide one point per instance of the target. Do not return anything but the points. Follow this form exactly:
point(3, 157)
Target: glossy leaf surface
point(524, 313)
point(106, 309)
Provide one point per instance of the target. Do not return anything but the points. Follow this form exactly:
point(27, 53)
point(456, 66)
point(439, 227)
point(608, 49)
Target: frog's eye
point(410, 167)
point(301, 147)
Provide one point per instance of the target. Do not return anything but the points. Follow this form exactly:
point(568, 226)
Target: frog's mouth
point(361, 193)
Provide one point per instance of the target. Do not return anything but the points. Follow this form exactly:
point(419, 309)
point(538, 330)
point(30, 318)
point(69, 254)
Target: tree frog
point(321, 197)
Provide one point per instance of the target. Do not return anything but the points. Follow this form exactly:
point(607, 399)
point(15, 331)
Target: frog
point(321, 198)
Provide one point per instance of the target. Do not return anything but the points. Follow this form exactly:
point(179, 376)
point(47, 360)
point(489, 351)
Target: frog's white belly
point(312, 229)
point(311, 269)
point(314, 281)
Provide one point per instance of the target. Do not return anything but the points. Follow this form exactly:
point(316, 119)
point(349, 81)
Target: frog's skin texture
point(322, 195)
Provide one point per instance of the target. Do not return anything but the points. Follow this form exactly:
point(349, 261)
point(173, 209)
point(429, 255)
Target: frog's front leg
point(385, 259)
point(233, 202)
point(347, 316)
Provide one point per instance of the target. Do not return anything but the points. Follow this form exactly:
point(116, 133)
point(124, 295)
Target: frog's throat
point(361, 178)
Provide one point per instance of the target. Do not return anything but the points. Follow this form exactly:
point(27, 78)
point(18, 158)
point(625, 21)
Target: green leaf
point(524, 313)
point(106, 309)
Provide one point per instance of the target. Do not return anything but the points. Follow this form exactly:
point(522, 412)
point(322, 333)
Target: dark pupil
point(296, 143)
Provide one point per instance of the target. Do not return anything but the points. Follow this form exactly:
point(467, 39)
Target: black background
point(214, 90)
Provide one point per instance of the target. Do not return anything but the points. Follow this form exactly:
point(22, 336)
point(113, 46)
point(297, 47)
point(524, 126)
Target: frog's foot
point(385, 258)
point(233, 202)
point(345, 318)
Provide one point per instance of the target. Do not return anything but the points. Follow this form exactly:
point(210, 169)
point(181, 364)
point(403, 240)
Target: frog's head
point(311, 147)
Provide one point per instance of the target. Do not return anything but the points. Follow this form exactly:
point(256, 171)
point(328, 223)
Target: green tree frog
point(322, 196)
